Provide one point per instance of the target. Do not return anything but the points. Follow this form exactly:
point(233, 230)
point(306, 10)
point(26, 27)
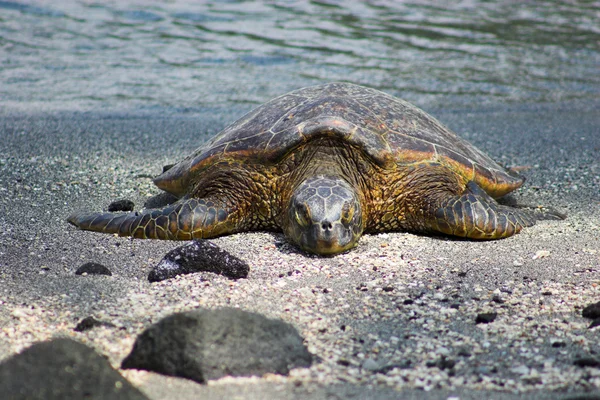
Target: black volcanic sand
point(396, 317)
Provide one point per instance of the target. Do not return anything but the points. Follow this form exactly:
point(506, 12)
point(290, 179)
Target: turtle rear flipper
point(476, 215)
point(540, 212)
point(543, 213)
point(185, 220)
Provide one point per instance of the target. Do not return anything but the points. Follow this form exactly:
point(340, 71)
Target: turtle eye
point(302, 214)
point(347, 213)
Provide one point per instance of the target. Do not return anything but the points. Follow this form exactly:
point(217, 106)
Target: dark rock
point(445, 363)
point(559, 343)
point(62, 369)
point(199, 256)
point(92, 268)
point(594, 323)
point(90, 322)
point(591, 311)
point(485, 318)
point(121, 205)
point(586, 362)
point(441, 363)
point(464, 352)
point(210, 344)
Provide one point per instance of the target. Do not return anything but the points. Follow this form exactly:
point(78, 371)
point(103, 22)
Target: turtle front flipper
point(187, 219)
point(476, 215)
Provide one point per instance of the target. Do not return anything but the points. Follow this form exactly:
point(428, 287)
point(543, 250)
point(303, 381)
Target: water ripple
point(80, 54)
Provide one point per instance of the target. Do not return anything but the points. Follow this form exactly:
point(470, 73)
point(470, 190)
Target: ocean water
point(182, 56)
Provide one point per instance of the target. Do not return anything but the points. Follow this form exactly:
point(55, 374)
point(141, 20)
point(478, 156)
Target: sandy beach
point(383, 319)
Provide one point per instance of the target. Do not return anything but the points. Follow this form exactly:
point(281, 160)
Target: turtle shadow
point(539, 212)
point(160, 200)
point(508, 200)
point(283, 246)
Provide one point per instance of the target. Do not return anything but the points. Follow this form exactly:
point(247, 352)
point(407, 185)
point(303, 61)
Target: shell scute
point(388, 129)
point(280, 143)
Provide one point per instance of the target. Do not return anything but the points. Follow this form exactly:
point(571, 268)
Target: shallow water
point(184, 56)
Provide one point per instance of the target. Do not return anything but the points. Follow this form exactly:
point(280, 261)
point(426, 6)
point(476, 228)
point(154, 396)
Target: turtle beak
point(329, 238)
point(330, 248)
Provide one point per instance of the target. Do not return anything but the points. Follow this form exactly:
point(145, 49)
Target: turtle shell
point(386, 128)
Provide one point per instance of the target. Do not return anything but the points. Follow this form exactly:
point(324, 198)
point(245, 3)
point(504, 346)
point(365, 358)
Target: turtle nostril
point(326, 226)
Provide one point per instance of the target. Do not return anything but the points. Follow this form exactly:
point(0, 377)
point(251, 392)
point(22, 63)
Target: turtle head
point(324, 216)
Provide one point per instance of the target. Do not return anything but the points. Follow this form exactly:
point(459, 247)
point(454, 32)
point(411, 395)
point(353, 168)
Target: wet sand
point(384, 318)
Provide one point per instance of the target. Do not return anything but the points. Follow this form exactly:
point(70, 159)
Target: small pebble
point(439, 296)
point(89, 323)
point(498, 299)
point(541, 254)
point(464, 352)
point(586, 362)
point(121, 205)
point(343, 362)
point(591, 311)
point(521, 370)
point(485, 318)
point(445, 363)
point(92, 268)
point(370, 365)
point(443, 351)
point(483, 370)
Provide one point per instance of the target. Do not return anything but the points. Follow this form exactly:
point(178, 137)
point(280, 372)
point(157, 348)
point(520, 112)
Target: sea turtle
point(325, 164)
